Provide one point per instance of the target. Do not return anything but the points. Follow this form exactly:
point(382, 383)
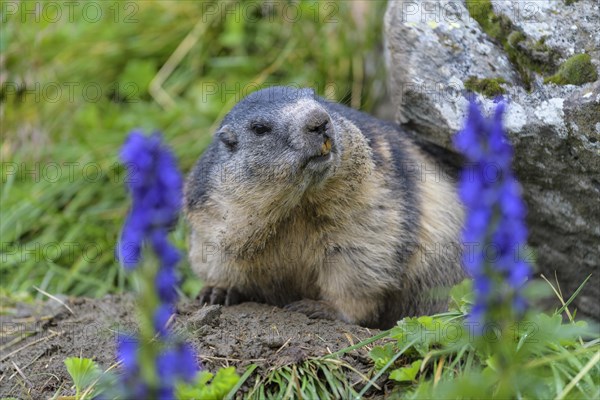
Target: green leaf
point(406, 374)
point(220, 385)
point(382, 354)
point(493, 363)
point(83, 371)
point(461, 296)
point(225, 379)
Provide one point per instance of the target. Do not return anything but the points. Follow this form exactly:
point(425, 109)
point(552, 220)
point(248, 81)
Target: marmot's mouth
point(317, 159)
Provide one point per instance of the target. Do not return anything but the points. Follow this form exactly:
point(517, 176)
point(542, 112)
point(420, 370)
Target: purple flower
point(166, 393)
point(188, 364)
point(156, 188)
point(155, 185)
point(178, 362)
point(161, 317)
point(167, 367)
point(166, 252)
point(127, 348)
point(166, 282)
point(495, 216)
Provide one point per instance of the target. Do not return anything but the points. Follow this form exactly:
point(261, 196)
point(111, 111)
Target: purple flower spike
point(188, 366)
point(127, 348)
point(495, 218)
point(156, 188)
point(161, 317)
point(155, 185)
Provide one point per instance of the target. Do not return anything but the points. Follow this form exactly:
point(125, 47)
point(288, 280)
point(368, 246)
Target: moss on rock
point(576, 70)
point(515, 38)
point(489, 87)
point(524, 53)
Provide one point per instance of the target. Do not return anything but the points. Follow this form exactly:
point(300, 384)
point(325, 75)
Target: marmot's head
point(280, 137)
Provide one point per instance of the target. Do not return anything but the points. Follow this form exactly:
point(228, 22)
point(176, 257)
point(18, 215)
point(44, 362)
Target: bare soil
point(36, 339)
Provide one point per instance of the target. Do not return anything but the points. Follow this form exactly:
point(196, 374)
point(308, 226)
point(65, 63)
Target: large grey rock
point(433, 47)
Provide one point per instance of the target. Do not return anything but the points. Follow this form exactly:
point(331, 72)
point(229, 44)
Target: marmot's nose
point(318, 122)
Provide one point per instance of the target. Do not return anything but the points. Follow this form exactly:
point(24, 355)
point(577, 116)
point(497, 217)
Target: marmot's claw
point(204, 295)
point(314, 309)
point(218, 296)
point(233, 297)
point(215, 295)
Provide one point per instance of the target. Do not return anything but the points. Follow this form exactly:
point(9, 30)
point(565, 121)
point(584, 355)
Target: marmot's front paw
point(216, 295)
point(314, 309)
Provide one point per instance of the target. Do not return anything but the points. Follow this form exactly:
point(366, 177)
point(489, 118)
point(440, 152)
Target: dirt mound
point(36, 339)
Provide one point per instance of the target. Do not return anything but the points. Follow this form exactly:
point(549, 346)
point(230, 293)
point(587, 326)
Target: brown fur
point(334, 248)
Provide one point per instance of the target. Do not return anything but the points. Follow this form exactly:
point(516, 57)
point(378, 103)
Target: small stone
point(206, 316)
point(274, 342)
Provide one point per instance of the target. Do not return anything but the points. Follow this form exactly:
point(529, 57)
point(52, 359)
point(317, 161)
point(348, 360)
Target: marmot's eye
point(260, 129)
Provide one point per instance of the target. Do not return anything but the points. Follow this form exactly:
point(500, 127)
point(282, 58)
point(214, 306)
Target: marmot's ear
point(228, 137)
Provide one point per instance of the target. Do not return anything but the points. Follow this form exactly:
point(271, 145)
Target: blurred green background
point(76, 77)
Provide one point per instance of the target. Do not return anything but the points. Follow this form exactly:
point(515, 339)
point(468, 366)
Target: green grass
point(315, 378)
point(545, 355)
point(74, 87)
point(550, 355)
